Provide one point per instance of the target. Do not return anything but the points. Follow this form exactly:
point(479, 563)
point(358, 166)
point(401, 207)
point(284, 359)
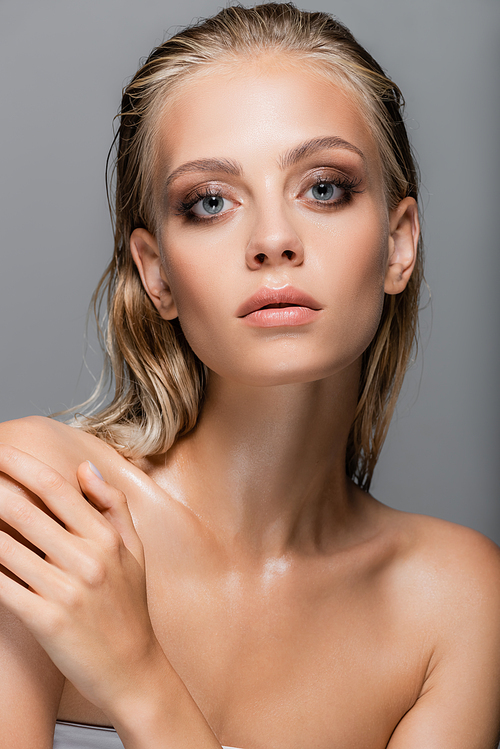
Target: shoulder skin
point(450, 577)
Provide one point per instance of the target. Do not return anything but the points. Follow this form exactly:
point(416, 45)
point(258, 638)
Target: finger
point(112, 503)
point(7, 482)
point(28, 566)
point(38, 529)
point(20, 601)
point(64, 501)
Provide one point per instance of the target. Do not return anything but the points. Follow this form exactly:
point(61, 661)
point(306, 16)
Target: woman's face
point(269, 192)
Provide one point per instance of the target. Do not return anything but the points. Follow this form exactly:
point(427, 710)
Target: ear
point(146, 254)
point(404, 231)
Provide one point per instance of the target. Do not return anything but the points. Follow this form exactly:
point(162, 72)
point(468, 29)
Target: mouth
point(269, 299)
point(279, 305)
point(278, 308)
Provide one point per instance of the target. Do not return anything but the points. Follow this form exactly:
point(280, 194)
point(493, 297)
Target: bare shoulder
point(64, 447)
point(60, 446)
point(450, 558)
point(42, 433)
point(448, 576)
point(444, 586)
point(445, 580)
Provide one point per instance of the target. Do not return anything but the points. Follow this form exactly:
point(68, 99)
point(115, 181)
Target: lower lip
point(278, 317)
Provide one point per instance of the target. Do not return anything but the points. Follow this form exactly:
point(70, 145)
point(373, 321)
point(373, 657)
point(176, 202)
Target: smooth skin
point(240, 589)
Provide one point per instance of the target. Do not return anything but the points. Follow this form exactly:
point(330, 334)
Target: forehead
point(257, 109)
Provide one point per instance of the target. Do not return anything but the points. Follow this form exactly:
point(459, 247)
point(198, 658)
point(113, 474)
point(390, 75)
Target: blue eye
point(326, 191)
point(213, 204)
point(210, 205)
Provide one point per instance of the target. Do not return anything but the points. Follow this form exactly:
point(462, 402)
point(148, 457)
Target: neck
point(265, 466)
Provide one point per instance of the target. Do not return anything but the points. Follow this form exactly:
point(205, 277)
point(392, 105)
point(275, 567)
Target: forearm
point(160, 713)
point(86, 601)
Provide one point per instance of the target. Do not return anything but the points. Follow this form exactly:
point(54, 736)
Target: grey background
point(63, 65)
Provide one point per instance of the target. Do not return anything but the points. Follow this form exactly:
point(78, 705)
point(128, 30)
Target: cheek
point(353, 272)
point(202, 293)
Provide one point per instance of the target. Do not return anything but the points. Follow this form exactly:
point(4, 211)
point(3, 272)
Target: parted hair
point(159, 381)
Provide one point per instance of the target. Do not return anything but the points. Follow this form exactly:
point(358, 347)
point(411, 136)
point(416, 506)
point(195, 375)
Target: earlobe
point(147, 257)
point(404, 231)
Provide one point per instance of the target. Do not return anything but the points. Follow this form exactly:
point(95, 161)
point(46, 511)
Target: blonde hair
point(159, 381)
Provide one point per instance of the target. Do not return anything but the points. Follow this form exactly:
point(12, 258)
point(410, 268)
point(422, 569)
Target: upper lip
point(285, 295)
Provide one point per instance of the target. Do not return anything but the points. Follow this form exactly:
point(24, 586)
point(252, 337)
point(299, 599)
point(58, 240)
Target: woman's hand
point(86, 602)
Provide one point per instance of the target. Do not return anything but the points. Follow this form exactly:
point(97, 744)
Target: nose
point(273, 240)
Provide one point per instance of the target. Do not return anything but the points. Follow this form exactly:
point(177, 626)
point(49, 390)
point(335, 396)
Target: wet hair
point(159, 381)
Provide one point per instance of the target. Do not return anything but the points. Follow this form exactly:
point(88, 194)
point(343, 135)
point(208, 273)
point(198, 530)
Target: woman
point(262, 304)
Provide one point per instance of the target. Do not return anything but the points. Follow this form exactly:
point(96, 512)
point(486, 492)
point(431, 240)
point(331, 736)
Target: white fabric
point(79, 736)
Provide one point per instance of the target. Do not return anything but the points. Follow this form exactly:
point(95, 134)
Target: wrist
point(158, 712)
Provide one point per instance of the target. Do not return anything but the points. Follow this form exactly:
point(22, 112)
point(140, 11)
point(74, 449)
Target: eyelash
point(184, 207)
point(347, 184)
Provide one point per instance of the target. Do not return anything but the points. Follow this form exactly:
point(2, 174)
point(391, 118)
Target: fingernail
point(95, 470)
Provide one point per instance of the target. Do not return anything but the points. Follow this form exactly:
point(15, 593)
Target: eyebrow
point(306, 149)
point(205, 165)
point(289, 158)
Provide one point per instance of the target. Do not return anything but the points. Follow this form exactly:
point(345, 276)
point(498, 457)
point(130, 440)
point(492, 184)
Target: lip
point(298, 308)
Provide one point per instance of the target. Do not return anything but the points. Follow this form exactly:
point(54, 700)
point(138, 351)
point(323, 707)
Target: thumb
point(112, 504)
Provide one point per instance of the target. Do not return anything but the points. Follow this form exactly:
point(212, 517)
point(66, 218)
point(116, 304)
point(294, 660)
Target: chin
point(286, 361)
point(288, 373)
